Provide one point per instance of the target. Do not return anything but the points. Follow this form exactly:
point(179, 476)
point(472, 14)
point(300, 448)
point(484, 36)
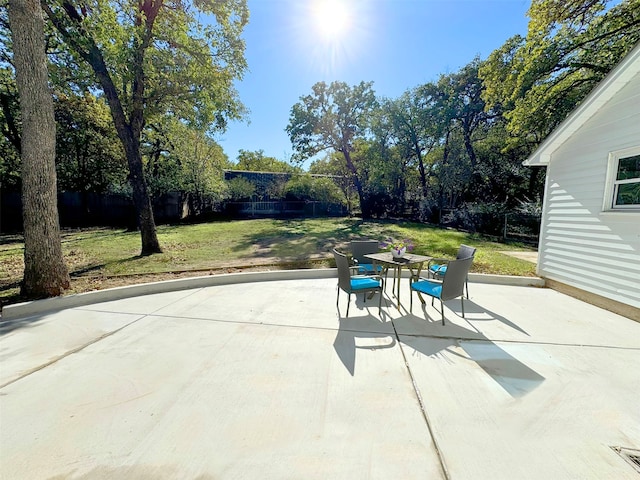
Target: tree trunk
point(445, 160)
point(129, 131)
point(141, 200)
point(45, 273)
point(468, 145)
point(130, 138)
point(424, 183)
point(356, 180)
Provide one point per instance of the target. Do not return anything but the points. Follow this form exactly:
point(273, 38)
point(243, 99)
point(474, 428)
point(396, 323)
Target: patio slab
point(269, 380)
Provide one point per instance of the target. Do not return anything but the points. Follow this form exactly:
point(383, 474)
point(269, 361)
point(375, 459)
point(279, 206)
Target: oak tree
point(157, 57)
point(570, 46)
point(45, 273)
point(332, 118)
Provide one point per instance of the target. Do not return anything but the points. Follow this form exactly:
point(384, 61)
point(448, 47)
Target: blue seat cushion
point(438, 269)
point(364, 268)
point(364, 283)
point(430, 288)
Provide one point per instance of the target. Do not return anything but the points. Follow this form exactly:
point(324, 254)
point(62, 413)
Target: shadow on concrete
point(368, 333)
point(428, 337)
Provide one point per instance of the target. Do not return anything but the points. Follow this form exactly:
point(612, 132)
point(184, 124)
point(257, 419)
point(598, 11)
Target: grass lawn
point(103, 258)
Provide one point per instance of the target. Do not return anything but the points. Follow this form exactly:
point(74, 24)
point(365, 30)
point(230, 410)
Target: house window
point(623, 190)
point(627, 183)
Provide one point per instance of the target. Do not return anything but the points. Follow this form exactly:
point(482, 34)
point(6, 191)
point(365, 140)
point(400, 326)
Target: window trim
point(611, 186)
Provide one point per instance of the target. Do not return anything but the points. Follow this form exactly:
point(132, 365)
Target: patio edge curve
point(37, 307)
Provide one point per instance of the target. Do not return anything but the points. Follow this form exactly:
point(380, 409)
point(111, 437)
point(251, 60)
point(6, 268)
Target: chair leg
point(466, 283)
point(380, 302)
point(410, 300)
point(348, 303)
point(442, 310)
point(338, 298)
point(462, 303)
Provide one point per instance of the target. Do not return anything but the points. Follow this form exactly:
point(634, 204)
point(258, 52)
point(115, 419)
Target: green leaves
point(330, 118)
point(258, 162)
point(162, 51)
point(571, 45)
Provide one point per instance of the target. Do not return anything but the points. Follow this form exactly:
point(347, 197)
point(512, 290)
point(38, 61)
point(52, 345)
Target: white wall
point(581, 245)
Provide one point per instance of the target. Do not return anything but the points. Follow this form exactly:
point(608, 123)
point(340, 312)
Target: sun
point(331, 18)
point(327, 35)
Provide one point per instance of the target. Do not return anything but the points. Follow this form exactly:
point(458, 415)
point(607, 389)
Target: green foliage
point(257, 162)
point(383, 173)
point(333, 117)
point(447, 144)
point(330, 118)
point(10, 130)
point(89, 157)
point(570, 46)
point(299, 187)
point(412, 123)
point(335, 166)
point(306, 187)
point(487, 218)
point(179, 157)
point(173, 60)
point(241, 189)
point(157, 58)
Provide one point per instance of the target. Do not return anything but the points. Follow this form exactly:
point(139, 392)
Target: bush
point(241, 188)
point(485, 218)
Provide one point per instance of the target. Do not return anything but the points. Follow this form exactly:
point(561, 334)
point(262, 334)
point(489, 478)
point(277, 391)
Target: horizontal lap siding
point(580, 245)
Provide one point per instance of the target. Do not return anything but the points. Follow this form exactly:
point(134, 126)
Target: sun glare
point(328, 34)
point(331, 18)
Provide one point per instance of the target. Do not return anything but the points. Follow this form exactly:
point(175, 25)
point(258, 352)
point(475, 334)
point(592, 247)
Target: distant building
point(267, 183)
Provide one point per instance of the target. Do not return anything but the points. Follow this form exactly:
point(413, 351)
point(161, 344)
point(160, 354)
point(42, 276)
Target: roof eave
point(539, 160)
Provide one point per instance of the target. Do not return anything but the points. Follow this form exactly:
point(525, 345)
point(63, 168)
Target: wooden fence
point(93, 209)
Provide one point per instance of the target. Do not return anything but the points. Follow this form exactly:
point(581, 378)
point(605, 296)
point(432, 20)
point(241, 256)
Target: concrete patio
point(267, 380)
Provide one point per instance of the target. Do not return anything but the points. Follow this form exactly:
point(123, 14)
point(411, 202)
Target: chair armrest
point(416, 278)
point(437, 261)
point(377, 277)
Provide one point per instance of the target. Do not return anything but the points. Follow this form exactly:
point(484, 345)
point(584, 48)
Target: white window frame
point(611, 187)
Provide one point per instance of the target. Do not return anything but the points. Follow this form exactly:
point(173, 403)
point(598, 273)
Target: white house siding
point(581, 245)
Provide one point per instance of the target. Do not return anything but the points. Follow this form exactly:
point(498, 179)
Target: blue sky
point(397, 44)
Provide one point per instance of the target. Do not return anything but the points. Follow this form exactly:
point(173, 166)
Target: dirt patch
point(528, 256)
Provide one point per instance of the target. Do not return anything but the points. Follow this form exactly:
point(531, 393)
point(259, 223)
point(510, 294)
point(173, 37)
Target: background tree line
point(454, 147)
point(140, 88)
point(456, 143)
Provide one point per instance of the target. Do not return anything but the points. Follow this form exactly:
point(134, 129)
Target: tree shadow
point(99, 266)
point(77, 273)
point(8, 326)
point(293, 239)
